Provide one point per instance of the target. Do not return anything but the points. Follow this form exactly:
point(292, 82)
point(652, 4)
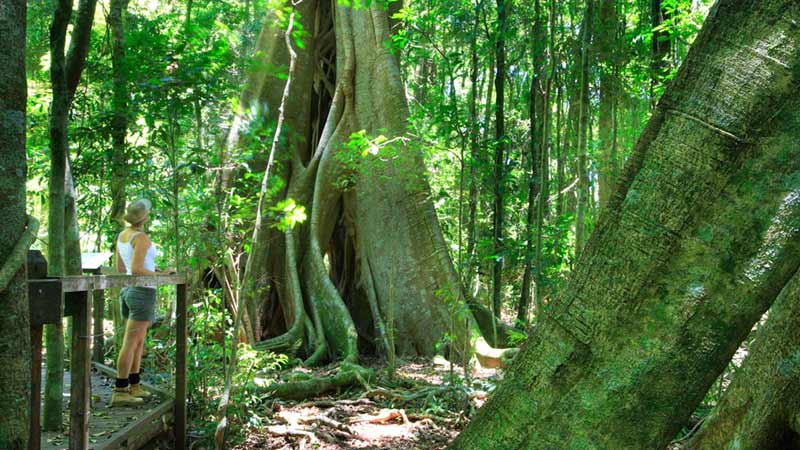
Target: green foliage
point(386, 158)
point(211, 329)
point(288, 214)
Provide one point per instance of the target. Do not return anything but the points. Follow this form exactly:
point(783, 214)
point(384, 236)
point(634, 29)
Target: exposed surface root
point(302, 385)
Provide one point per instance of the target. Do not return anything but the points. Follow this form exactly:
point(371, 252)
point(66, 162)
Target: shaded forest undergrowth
point(422, 403)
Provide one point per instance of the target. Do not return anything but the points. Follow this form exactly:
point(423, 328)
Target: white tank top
point(126, 253)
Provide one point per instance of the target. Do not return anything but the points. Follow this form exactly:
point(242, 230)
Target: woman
point(136, 255)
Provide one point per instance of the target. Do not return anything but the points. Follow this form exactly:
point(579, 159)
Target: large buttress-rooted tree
point(692, 249)
point(15, 378)
point(369, 269)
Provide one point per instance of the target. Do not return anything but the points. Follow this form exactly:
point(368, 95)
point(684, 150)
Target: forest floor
point(422, 407)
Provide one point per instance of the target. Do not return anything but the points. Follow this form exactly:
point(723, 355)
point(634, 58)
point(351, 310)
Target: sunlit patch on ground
point(423, 410)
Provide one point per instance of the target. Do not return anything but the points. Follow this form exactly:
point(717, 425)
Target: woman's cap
point(137, 211)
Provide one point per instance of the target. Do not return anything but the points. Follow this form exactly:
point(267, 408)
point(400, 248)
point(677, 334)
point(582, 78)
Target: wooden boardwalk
point(128, 428)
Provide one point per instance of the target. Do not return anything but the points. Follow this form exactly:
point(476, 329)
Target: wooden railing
point(46, 306)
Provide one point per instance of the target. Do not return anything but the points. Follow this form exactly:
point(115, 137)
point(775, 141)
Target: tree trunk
point(15, 378)
point(607, 43)
point(537, 112)
point(498, 211)
point(474, 150)
point(119, 104)
point(635, 340)
point(759, 408)
point(72, 236)
point(119, 130)
point(583, 129)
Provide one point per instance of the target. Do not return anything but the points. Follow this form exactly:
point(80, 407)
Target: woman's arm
point(140, 246)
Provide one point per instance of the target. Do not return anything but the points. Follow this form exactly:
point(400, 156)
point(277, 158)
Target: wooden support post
point(98, 311)
point(180, 368)
point(37, 269)
point(35, 437)
point(80, 372)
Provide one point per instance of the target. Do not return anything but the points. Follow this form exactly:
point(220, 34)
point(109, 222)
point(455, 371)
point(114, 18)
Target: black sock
point(134, 378)
point(121, 383)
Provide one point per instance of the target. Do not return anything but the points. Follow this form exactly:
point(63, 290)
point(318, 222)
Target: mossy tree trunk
point(759, 410)
point(371, 251)
point(15, 378)
point(693, 248)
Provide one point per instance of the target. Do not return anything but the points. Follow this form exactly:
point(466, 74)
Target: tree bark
point(15, 378)
point(72, 237)
point(758, 409)
point(635, 340)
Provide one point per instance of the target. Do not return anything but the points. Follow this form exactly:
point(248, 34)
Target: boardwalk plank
point(128, 428)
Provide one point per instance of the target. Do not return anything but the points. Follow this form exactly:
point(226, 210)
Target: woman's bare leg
point(136, 364)
point(135, 332)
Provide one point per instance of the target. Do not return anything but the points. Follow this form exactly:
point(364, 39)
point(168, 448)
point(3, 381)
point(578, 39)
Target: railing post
point(37, 269)
point(180, 368)
point(35, 437)
point(98, 310)
point(80, 372)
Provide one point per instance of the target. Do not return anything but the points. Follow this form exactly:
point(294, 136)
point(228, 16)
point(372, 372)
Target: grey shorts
point(139, 303)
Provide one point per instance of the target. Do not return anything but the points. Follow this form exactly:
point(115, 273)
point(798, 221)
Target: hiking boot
point(138, 391)
point(123, 397)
